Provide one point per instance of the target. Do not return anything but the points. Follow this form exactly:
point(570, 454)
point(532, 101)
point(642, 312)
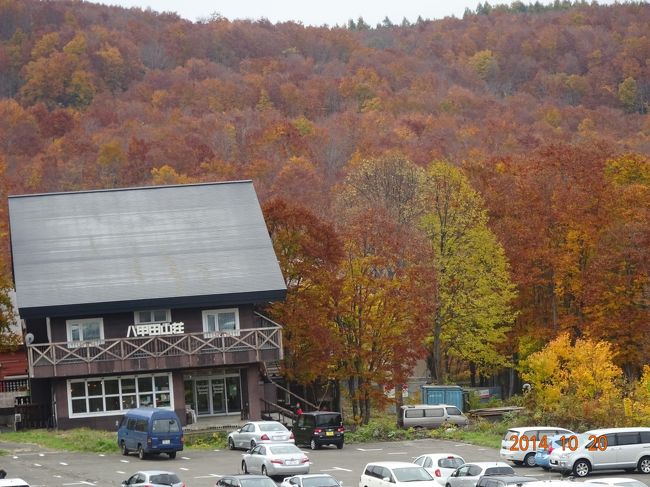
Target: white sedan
point(311, 480)
point(259, 432)
point(275, 459)
point(440, 465)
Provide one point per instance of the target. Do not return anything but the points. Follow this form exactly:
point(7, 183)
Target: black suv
point(319, 428)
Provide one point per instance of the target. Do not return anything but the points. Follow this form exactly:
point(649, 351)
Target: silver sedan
point(259, 432)
point(275, 459)
point(311, 480)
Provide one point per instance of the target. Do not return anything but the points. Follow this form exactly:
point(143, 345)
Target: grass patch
point(79, 439)
point(382, 428)
point(99, 441)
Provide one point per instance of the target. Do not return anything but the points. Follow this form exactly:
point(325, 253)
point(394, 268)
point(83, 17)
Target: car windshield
point(328, 420)
point(164, 479)
point(280, 449)
point(320, 481)
point(165, 426)
point(450, 462)
point(259, 482)
point(272, 427)
point(505, 470)
point(411, 474)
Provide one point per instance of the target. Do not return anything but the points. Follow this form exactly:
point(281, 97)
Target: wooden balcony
point(134, 354)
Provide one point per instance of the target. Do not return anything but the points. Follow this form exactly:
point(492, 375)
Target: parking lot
point(202, 468)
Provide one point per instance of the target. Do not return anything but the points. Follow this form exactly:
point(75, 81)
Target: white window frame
point(169, 392)
point(212, 333)
point(136, 316)
point(80, 322)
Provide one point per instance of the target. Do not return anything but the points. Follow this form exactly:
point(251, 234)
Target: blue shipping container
point(453, 395)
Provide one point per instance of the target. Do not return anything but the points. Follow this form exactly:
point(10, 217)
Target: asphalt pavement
point(202, 468)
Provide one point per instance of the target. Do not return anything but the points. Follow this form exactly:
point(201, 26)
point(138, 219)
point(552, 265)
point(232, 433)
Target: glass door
point(234, 394)
point(202, 397)
point(218, 402)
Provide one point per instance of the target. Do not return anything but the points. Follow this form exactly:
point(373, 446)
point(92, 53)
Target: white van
point(604, 449)
point(430, 416)
point(519, 445)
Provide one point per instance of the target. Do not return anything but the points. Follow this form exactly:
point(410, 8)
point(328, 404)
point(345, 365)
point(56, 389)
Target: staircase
point(272, 411)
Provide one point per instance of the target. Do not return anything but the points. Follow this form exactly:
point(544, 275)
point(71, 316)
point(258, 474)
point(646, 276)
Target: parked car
point(153, 478)
point(615, 482)
point(543, 454)
point(311, 480)
point(259, 432)
point(504, 480)
point(519, 445)
point(604, 449)
point(470, 473)
point(440, 465)
point(430, 416)
point(13, 483)
point(318, 428)
point(396, 474)
point(245, 481)
point(150, 430)
point(275, 459)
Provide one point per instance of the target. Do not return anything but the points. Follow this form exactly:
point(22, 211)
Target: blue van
point(150, 430)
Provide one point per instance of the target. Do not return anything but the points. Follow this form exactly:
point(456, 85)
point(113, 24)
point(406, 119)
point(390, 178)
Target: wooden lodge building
point(145, 297)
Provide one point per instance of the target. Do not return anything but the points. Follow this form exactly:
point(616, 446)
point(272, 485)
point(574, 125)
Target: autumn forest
point(459, 191)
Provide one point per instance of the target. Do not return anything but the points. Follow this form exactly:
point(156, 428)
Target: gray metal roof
point(116, 250)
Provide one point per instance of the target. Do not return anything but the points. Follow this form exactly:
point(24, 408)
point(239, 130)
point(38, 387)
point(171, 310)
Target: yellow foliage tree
point(574, 384)
point(637, 406)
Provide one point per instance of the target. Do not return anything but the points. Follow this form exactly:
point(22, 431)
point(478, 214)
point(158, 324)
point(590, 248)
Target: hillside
point(544, 110)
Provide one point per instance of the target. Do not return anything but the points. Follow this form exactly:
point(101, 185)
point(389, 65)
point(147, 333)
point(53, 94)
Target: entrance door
point(203, 397)
point(218, 393)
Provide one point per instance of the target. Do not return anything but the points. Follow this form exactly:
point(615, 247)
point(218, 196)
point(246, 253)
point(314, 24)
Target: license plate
point(329, 433)
point(292, 462)
point(165, 442)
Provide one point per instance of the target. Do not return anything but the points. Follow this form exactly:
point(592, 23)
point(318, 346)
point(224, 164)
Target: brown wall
point(116, 325)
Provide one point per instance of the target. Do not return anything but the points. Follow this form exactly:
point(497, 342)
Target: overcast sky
point(311, 12)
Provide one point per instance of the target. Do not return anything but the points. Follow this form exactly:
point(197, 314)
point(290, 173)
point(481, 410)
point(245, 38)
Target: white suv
point(396, 474)
point(519, 445)
point(604, 449)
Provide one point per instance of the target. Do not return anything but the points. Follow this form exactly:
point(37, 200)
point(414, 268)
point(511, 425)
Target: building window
point(114, 395)
point(152, 316)
point(86, 330)
point(216, 321)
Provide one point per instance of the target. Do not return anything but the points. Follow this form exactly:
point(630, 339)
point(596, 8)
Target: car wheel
point(264, 472)
point(125, 450)
point(172, 454)
point(529, 461)
point(581, 468)
point(231, 444)
point(244, 468)
point(313, 444)
point(448, 485)
point(141, 453)
point(644, 465)
point(339, 445)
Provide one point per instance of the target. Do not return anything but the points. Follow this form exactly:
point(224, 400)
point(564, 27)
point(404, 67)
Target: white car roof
point(441, 455)
point(610, 480)
point(12, 482)
point(393, 464)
